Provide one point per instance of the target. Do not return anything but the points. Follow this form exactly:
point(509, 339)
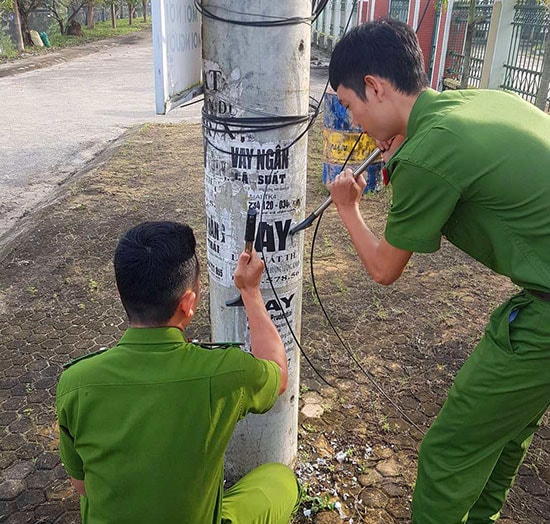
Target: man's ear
point(187, 303)
point(374, 87)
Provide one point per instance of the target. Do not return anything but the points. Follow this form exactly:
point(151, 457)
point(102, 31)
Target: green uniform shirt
point(146, 424)
point(476, 168)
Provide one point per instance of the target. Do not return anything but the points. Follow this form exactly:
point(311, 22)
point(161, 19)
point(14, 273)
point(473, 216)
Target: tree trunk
point(130, 13)
point(25, 28)
point(74, 14)
point(144, 5)
point(113, 15)
point(470, 27)
point(542, 94)
point(90, 15)
point(18, 32)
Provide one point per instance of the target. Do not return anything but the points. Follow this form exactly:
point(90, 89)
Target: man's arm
point(78, 485)
point(384, 262)
point(265, 341)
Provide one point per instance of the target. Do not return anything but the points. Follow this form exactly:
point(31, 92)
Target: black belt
point(539, 294)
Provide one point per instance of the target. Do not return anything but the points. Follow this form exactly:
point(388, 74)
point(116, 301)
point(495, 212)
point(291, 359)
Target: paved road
point(55, 119)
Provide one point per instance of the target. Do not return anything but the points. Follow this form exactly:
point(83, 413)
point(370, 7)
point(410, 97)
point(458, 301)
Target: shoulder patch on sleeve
point(217, 345)
point(84, 357)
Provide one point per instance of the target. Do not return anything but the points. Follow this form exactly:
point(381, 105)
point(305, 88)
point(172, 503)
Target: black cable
point(422, 17)
point(285, 148)
point(224, 123)
point(333, 327)
point(276, 22)
point(302, 351)
point(313, 103)
point(342, 342)
point(280, 305)
point(312, 120)
point(318, 9)
point(236, 126)
point(193, 101)
point(346, 345)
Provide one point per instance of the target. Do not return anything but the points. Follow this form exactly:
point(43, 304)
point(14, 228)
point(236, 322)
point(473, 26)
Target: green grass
point(101, 31)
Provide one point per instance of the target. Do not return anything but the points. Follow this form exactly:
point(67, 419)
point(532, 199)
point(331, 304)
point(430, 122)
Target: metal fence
point(399, 10)
point(457, 33)
point(526, 70)
point(528, 54)
point(331, 24)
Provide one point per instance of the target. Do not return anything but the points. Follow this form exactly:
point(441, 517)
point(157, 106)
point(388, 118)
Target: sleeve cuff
point(77, 474)
point(414, 245)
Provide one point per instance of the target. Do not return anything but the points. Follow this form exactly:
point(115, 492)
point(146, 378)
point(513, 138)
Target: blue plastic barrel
point(339, 137)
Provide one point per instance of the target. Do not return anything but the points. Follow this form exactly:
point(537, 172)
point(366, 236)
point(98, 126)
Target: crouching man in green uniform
point(474, 166)
point(145, 424)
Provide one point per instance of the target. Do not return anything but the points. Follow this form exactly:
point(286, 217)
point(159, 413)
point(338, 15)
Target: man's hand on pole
point(265, 341)
point(248, 274)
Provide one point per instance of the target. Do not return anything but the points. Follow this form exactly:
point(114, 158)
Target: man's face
point(368, 114)
point(357, 108)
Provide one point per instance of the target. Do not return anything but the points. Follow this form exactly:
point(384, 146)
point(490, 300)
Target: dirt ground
point(357, 451)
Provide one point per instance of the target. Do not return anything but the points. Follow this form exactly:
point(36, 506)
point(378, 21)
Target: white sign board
point(177, 50)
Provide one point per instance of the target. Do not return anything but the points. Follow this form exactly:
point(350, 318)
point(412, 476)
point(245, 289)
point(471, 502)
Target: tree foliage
point(25, 8)
point(6, 6)
point(63, 11)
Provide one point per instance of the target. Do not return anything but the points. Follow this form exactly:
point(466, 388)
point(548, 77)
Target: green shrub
point(7, 47)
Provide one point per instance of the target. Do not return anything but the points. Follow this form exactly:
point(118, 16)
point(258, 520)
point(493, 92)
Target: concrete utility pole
point(257, 72)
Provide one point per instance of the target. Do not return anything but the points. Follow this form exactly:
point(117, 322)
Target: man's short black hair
point(385, 48)
point(155, 263)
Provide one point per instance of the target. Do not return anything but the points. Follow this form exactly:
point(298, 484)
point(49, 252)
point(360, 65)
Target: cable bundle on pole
point(263, 20)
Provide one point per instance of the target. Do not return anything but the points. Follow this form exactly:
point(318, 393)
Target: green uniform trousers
point(469, 458)
point(269, 494)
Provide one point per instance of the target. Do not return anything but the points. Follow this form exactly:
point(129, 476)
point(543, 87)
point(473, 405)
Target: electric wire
point(276, 295)
point(318, 8)
point(423, 15)
point(193, 101)
point(234, 126)
point(275, 22)
point(321, 305)
point(246, 125)
point(270, 280)
point(312, 119)
point(346, 346)
point(279, 304)
point(294, 141)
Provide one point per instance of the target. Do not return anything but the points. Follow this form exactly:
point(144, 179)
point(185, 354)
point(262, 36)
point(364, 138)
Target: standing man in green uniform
point(144, 425)
point(474, 167)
